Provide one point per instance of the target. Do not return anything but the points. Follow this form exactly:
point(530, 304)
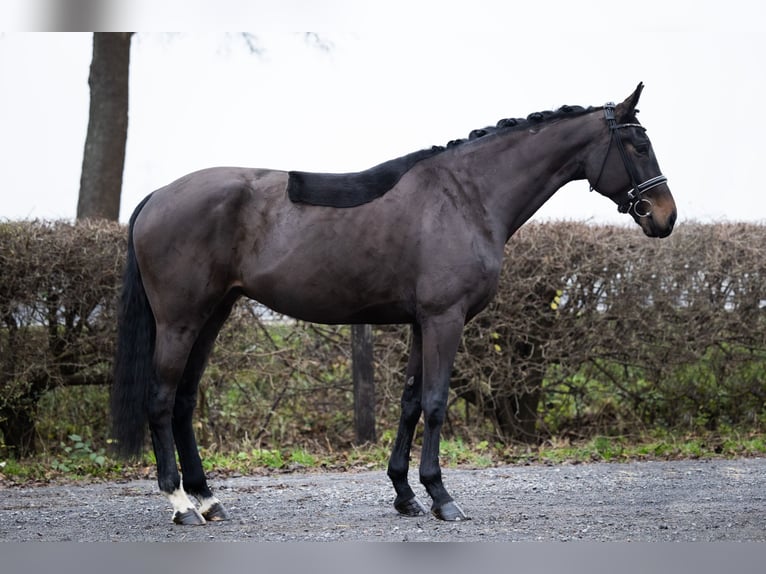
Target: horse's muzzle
point(655, 212)
point(657, 224)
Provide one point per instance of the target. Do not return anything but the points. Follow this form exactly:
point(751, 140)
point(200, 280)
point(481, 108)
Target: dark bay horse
point(416, 240)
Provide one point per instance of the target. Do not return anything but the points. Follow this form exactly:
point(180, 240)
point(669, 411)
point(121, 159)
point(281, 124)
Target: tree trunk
point(17, 420)
point(516, 416)
point(104, 157)
point(364, 384)
point(18, 426)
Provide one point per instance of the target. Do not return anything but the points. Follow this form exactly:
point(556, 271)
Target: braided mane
point(357, 188)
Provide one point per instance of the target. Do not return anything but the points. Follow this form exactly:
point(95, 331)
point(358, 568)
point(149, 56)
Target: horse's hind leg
point(398, 465)
point(194, 481)
point(170, 357)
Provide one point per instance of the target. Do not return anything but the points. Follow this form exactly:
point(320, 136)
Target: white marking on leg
point(206, 504)
point(180, 501)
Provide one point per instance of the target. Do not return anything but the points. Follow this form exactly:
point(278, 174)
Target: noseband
point(641, 206)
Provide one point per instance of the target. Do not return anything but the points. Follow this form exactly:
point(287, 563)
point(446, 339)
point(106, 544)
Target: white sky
point(399, 77)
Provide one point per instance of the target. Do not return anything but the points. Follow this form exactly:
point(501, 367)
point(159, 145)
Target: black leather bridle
point(641, 206)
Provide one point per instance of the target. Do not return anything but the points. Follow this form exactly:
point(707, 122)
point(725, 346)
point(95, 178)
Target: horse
point(416, 240)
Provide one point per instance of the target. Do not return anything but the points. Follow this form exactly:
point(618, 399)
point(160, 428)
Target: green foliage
point(270, 458)
point(455, 452)
point(659, 446)
point(78, 454)
point(610, 398)
point(301, 457)
point(259, 458)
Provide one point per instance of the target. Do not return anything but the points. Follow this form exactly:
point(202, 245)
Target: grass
point(81, 464)
point(661, 446)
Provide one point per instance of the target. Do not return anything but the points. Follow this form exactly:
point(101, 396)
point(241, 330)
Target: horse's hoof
point(216, 513)
point(190, 517)
point(449, 511)
point(410, 507)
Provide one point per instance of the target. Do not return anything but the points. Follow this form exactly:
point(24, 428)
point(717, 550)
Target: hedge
point(594, 329)
point(57, 310)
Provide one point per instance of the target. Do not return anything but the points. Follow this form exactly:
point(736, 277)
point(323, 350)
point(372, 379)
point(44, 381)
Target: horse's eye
point(642, 149)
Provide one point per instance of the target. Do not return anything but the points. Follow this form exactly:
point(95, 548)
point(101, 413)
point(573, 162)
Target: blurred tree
point(104, 156)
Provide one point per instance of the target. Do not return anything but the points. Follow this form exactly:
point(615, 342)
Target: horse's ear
point(626, 111)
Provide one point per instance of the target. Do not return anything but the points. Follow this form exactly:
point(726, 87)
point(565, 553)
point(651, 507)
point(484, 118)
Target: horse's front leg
point(441, 336)
point(398, 465)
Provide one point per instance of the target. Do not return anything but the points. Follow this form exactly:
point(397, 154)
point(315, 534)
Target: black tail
point(133, 364)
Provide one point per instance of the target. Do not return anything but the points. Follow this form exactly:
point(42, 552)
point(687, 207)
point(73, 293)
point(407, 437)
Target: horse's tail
point(133, 364)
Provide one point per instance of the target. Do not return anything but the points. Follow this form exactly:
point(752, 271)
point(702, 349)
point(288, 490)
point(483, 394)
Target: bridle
point(641, 206)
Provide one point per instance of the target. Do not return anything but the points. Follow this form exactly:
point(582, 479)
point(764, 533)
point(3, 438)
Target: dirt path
point(647, 501)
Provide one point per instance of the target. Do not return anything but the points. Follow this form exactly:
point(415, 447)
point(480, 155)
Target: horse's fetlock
point(169, 484)
point(397, 471)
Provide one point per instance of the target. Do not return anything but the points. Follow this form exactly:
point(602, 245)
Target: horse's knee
point(411, 412)
point(434, 412)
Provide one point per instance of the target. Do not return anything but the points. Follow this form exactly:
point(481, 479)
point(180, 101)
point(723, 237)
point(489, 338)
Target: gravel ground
point(712, 500)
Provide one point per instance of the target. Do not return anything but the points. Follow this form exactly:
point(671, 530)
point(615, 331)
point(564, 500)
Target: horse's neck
point(517, 173)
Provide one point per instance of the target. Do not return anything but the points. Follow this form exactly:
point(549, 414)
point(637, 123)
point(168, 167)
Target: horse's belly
point(337, 302)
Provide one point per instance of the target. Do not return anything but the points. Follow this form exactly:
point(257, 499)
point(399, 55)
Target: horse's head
point(625, 169)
